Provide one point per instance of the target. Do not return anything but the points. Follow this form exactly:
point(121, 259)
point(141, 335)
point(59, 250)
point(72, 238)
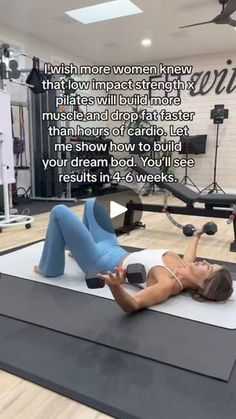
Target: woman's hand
point(114, 279)
point(199, 233)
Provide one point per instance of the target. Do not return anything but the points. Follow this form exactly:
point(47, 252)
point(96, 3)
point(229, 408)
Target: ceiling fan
point(228, 8)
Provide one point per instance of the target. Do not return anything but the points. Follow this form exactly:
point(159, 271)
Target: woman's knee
point(88, 208)
point(60, 210)
point(89, 203)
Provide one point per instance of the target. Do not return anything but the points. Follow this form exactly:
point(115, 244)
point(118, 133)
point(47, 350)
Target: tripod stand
point(214, 186)
point(186, 179)
point(218, 114)
point(149, 187)
point(192, 144)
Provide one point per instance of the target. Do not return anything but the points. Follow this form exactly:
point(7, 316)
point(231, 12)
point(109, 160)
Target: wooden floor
point(20, 399)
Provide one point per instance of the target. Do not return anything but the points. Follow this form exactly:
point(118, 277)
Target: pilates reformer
point(215, 205)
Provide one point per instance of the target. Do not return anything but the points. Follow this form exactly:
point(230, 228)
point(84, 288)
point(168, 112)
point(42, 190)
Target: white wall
point(202, 173)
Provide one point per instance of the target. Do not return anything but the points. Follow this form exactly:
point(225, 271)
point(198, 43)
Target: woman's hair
point(217, 287)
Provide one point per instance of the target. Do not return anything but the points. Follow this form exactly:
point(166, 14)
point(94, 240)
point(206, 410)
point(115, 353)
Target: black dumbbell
point(189, 230)
point(135, 272)
point(209, 228)
point(93, 281)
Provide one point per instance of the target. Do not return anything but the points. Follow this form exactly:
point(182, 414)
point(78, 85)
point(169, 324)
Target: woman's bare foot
point(37, 270)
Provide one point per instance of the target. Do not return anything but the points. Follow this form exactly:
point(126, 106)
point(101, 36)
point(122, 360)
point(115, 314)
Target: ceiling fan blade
point(230, 8)
point(197, 24)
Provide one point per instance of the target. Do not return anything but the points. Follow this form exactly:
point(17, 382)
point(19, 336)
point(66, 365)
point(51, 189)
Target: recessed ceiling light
point(104, 11)
point(146, 42)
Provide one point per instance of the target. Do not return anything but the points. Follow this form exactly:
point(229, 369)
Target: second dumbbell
point(135, 273)
point(209, 228)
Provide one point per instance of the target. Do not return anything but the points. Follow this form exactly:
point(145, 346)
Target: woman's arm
point(191, 252)
point(155, 294)
point(125, 300)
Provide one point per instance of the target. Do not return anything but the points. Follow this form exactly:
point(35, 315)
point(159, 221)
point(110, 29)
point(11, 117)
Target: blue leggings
point(93, 248)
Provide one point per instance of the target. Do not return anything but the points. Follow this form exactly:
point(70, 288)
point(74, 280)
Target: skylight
point(104, 11)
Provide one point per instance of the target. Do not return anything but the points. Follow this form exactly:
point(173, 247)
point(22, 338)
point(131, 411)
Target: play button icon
point(116, 209)
point(110, 209)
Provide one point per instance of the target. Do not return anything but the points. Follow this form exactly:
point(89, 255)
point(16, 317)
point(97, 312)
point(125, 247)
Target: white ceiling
point(118, 41)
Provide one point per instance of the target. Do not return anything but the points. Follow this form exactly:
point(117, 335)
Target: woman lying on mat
point(94, 246)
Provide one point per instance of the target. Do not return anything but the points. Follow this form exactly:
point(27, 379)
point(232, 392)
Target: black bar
point(200, 212)
point(129, 215)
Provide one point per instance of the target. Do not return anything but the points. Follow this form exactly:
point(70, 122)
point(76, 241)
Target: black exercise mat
point(183, 343)
point(119, 384)
point(35, 207)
